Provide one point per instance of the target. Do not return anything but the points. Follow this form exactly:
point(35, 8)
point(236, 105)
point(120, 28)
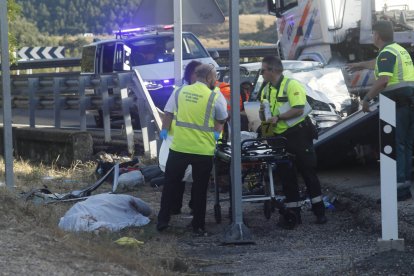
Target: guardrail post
point(148, 116)
point(82, 101)
point(33, 84)
point(123, 79)
point(57, 101)
point(103, 89)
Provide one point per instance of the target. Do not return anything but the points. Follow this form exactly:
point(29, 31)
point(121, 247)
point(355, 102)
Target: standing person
point(168, 130)
point(278, 91)
point(394, 73)
point(201, 113)
point(246, 88)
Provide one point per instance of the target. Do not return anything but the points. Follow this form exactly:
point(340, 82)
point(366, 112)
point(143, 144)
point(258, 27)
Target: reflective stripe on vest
point(280, 99)
point(205, 126)
point(294, 204)
point(316, 199)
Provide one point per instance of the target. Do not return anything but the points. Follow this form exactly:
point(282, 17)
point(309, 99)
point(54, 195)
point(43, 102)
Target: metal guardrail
point(248, 52)
point(245, 52)
point(105, 92)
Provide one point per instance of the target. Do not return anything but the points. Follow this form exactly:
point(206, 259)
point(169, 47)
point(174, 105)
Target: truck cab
point(337, 32)
point(326, 30)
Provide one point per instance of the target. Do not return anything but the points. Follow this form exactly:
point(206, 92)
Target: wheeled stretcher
point(260, 157)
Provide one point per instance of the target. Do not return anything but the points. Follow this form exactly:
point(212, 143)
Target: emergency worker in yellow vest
point(200, 115)
point(169, 111)
point(279, 91)
point(394, 73)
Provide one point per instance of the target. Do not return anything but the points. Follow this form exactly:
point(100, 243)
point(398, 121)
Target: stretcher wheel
point(217, 213)
point(267, 208)
point(290, 219)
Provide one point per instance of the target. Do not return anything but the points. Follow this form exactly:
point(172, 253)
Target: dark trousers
point(177, 162)
point(404, 142)
point(300, 143)
point(177, 203)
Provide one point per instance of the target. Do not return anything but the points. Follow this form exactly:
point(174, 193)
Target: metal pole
point(238, 232)
point(388, 167)
point(178, 42)
point(7, 115)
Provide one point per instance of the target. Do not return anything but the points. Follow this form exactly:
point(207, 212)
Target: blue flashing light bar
point(126, 31)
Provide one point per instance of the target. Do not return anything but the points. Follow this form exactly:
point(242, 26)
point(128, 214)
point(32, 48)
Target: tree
point(13, 11)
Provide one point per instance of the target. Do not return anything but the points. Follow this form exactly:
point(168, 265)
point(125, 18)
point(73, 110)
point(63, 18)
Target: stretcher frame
point(272, 153)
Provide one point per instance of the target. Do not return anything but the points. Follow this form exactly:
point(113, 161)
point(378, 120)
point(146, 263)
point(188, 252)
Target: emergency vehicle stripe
point(366, 78)
point(355, 80)
point(300, 26)
point(310, 24)
point(282, 25)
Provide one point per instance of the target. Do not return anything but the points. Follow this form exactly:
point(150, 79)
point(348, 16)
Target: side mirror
point(214, 54)
point(273, 8)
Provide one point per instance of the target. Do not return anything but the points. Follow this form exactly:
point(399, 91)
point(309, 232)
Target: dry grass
point(217, 36)
point(157, 256)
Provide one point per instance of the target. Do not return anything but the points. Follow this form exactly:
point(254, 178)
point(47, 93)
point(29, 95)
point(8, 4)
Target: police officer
point(394, 73)
point(278, 91)
point(200, 115)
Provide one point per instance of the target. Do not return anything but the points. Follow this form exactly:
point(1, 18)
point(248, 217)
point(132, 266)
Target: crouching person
point(200, 115)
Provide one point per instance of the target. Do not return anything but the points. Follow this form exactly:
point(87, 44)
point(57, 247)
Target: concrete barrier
point(61, 147)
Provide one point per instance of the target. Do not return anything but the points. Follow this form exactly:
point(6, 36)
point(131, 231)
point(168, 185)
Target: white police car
point(148, 50)
point(151, 52)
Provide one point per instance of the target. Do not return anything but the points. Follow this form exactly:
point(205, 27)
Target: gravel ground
point(346, 245)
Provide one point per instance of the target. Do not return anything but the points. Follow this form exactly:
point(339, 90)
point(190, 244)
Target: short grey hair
point(204, 70)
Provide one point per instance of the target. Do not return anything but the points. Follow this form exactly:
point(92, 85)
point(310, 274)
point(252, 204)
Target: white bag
point(163, 156)
point(129, 181)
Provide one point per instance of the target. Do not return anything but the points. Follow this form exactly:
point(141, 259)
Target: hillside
point(255, 29)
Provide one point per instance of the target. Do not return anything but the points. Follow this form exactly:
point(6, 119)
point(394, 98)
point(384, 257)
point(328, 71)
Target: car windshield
point(158, 49)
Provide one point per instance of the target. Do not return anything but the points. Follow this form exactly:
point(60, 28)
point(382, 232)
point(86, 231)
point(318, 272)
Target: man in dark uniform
point(281, 91)
point(394, 73)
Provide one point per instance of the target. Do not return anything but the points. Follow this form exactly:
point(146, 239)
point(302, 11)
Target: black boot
point(289, 218)
point(319, 211)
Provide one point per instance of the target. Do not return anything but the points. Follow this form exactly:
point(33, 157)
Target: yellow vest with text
point(403, 74)
point(194, 126)
point(290, 91)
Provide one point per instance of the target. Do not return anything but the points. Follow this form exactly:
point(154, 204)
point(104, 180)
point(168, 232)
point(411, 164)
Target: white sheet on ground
point(110, 211)
point(163, 156)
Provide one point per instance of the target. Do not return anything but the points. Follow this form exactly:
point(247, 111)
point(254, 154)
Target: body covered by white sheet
point(109, 211)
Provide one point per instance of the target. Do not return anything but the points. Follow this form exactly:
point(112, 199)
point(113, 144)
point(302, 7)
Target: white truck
point(336, 32)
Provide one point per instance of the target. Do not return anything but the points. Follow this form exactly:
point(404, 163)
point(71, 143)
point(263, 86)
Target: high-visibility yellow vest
point(277, 98)
point(171, 130)
point(194, 126)
point(403, 74)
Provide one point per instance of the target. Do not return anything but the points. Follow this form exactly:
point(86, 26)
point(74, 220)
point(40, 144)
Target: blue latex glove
point(163, 134)
point(216, 135)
